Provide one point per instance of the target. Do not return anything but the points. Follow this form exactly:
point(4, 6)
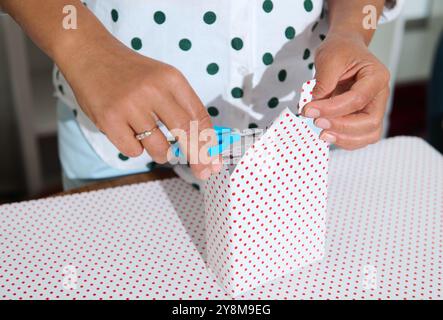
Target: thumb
point(327, 79)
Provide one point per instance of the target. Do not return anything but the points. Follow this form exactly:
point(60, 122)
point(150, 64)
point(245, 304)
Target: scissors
point(225, 136)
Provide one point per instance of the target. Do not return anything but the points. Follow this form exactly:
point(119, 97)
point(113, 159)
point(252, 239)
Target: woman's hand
point(351, 93)
point(352, 85)
point(125, 93)
point(122, 92)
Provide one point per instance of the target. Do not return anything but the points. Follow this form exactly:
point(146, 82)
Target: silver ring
point(145, 134)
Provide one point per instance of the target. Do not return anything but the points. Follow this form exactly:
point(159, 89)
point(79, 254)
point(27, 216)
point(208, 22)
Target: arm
point(120, 106)
point(42, 21)
point(352, 84)
point(347, 17)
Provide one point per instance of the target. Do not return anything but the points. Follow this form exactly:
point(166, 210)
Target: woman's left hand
point(351, 94)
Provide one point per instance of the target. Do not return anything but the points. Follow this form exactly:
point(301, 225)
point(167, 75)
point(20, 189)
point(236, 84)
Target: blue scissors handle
point(226, 137)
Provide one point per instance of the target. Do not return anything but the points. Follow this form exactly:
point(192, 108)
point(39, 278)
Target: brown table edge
point(157, 174)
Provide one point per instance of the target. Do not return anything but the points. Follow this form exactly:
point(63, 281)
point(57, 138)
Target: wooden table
point(157, 174)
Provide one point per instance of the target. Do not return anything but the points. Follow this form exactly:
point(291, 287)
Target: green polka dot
point(237, 43)
point(322, 37)
point(185, 44)
point(282, 75)
point(237, 92)
point(122, 157)
point(75, 112)
point(114, 15)
point(213, 111)
point(136, 43)
point(268, 6)
point(308, 5)
point(268, 58)
point(306, 54)
point(253, 126)
point(290, 33)
point(159, 17)
point(209, 17)
point(212, 68)
point(61, 89)
point(310, 66)
point(273, 103)
point(196, 186)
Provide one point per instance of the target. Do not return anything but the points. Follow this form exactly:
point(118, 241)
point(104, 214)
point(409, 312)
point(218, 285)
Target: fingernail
point(327, 137)
point(323, 123)
point(312, 113)
point(205, 174)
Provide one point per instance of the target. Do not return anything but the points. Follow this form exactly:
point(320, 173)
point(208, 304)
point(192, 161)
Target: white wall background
point(418, 45)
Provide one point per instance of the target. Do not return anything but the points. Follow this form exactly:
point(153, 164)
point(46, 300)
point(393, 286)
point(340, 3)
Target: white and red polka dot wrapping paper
point(306, 94)
point(384, 237)
point(266, 217)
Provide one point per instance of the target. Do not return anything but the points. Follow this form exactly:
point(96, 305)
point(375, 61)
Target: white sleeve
point(391, 11)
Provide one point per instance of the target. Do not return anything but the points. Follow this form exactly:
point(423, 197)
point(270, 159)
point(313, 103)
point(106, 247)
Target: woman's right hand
point(125, 93)
point(122, 92)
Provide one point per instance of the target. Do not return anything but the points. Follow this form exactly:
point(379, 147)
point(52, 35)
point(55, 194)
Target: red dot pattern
point(385, 211)
point(147, 241)
point(125, 243)
point(267, 218)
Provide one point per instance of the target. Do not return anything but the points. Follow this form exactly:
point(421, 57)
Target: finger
point(187, 132)
point(353, 124)
point(338, 106)
point(371, 81)
point(349, 142)
point(327, 77)
point(122, 137)
point(203, 140)
point(189, 100)
point(156, 144)
point(368, 85)
point(368, 120)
